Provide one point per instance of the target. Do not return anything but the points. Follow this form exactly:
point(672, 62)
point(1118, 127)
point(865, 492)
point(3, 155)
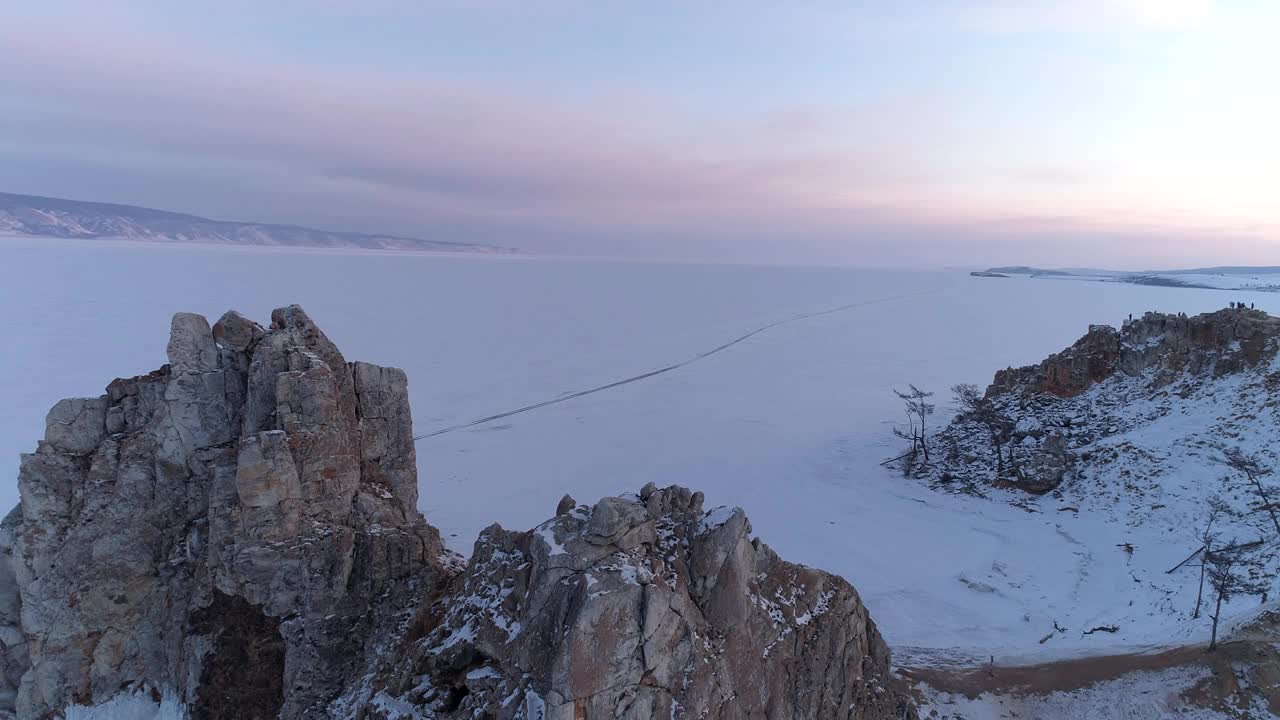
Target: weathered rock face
point(1091, 359)
point(231, 527)
point(13, 643)
point(238, 530)
point(637, 607)
point(1223, 342)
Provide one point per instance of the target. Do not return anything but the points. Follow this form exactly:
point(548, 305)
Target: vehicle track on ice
point(675, 366)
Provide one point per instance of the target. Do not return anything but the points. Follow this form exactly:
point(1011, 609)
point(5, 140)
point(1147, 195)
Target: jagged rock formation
point(1038, 420)
point(1222, 342)
point(229, 527)
point(638, 607)
point(238, 531)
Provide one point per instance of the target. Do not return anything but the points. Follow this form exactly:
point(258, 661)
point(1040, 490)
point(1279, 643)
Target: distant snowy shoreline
point(46, 217)
point(1257, 279)
point(121, 242)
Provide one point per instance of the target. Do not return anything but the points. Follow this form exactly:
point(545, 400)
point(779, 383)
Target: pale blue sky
point(925, 132)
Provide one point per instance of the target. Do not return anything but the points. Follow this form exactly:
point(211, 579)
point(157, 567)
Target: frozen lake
point(790, 424)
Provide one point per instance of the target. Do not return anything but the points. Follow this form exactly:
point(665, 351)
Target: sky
point(904, 133)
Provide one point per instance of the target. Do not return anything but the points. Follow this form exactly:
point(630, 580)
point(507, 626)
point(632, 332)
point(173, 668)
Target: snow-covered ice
point(790, 424)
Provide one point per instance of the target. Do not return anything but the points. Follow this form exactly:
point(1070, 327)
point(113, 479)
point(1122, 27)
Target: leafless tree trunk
point(1227, 581)
point(918, 409)
point(995, 443)
point(1213, 634)
point(1200, 594)
point(1216, 507)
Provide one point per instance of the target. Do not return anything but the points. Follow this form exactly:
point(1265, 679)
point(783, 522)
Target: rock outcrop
point(1222, 342)
point(1034, 421)
point(638, 607)
point(229, 527)
point(237, 532)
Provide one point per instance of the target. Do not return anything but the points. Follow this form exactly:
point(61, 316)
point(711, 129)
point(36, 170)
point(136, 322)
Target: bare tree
point(1208, 541)
point(918, 409)
point(1227, 578)
point(968, 398)
point(976, 406)
point(1254, 469)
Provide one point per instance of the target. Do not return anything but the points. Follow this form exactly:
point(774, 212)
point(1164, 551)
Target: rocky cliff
point(236, 535)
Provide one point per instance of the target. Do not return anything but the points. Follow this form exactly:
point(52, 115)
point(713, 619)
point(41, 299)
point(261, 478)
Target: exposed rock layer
point(238, 530)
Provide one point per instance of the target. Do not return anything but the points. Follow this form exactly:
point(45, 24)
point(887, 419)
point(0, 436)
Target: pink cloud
point(431, 152)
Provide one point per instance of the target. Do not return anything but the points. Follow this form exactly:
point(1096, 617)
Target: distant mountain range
point(1222, 277)
point(36, 216)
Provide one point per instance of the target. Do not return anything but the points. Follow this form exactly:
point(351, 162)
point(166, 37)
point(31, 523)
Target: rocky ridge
point(1166, 346)
point(236, 534)
point(1048, 417)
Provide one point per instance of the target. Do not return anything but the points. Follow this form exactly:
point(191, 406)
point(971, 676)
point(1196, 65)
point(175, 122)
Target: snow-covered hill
point(51, 217)
point(1124, 444)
